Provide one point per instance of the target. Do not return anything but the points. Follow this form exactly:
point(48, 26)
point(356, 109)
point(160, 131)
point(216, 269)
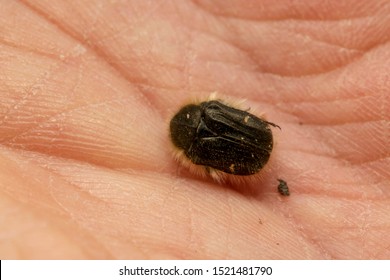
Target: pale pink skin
point(86, 92)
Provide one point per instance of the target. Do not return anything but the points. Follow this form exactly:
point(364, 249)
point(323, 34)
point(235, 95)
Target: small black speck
point(283, 188)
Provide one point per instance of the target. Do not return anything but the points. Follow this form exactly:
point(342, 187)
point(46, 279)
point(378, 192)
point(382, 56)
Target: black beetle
point(220, 137)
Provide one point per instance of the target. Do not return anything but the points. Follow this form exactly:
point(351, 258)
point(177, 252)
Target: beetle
point(222, 138)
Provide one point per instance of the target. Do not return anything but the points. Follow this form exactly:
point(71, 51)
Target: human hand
point(87, 90)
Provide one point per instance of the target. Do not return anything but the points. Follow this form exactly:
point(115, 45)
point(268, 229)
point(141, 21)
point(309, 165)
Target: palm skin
point(87, 90)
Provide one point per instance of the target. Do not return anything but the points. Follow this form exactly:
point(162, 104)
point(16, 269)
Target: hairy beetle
point(219, 137)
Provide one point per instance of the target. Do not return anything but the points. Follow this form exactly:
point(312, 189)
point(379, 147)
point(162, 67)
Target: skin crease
point(86, 93)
